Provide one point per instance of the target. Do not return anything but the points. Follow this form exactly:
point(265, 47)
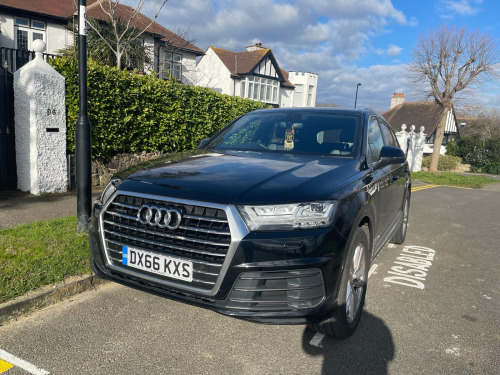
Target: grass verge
point(39, 254)
point(452, 179)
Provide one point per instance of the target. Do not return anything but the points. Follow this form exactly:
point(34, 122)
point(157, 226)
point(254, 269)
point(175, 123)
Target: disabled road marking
point(9, 359)
point(316, 340)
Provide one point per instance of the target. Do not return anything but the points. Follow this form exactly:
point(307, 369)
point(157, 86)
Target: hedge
point(482, 155)
point(131, 113)
point(445, 163)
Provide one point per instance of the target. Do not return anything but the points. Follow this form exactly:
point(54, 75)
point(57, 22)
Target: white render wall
point(39, 106)
point(307, 80)
point(57, 36)
point(189, 72)
point(7, 34)
point(285, 97)
point(214, 74)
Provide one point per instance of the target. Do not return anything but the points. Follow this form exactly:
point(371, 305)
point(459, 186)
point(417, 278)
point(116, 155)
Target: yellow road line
point(4, 366)
point(423, 187)
point(458, 187)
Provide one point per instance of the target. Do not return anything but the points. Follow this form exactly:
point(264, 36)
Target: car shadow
point(368, 351)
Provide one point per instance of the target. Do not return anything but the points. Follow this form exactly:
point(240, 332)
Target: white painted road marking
point(411, 266)
point(316, 340)
point(32, 369)
point(372, 270)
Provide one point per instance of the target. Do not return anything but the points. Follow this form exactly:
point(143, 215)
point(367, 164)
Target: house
point(23, 21)
point(255, 74)
point(421, 114)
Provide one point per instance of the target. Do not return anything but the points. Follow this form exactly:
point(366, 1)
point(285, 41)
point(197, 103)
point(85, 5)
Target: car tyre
point(345, 318)
point(400, 236)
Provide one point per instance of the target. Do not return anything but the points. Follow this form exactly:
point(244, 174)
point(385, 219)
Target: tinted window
point(291, 132)
point(388, 134)
point(375, 141)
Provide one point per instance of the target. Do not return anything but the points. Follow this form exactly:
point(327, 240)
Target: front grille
point(202, 238)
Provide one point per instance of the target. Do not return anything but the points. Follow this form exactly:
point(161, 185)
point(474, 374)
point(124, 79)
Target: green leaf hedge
point(131, 113)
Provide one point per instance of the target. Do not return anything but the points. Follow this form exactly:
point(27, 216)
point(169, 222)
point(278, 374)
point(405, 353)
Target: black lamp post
point(356, 99)
point(82, 133)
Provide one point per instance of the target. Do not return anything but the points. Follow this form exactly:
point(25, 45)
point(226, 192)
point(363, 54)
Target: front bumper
point(268, 277)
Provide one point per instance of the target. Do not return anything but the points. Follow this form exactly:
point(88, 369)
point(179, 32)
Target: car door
point(396, 172)
point(384, 202)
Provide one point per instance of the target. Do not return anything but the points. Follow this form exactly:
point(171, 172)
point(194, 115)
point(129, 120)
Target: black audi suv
point(275, 219)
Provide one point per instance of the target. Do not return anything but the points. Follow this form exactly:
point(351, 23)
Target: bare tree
point(450, 60)
point(124, 29)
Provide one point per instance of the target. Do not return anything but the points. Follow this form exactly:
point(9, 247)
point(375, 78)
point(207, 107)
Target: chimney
point(255, 47)
point(397, 99)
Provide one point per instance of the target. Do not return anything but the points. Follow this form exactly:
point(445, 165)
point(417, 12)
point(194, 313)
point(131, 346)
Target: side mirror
point(391, 155)
point(203, 142)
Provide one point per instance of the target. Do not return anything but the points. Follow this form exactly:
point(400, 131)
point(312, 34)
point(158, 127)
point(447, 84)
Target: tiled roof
point(142, 22)
point(65, 9)
point(426, 114)
point(55, 8)
point(287, 83)
point(479, 126)
point(243, 63)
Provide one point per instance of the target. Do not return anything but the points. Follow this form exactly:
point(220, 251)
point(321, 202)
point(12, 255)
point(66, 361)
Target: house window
point(37, 25)
point(25, 34)
point(37, 36)
point(172, 66)
point(22, 22)
point(310, 96)
point(22, 39)
point(259, 88)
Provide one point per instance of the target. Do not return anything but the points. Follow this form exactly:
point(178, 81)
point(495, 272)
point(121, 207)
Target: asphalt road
point(443, 317)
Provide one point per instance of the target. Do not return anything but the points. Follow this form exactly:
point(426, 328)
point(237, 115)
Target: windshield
point(291, 132)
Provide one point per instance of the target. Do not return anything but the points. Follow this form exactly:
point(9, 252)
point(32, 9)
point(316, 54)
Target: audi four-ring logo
point(161, 217)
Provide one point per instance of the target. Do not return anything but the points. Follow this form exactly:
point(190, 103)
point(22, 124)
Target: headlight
point(288, 216)
point(110, 188)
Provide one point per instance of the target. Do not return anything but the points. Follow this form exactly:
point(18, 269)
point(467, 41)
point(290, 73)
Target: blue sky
point(344, 41)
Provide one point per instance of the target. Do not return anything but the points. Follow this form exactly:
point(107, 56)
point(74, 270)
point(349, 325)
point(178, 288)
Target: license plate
point(157, 263)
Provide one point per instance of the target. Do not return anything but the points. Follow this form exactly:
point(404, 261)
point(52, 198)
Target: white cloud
point(322, 36)
point(463, 7)
point(378, 83)
point(394, 50)
point(358, 9)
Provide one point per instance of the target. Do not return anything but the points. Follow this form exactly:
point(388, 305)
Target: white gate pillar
point(40, 123)
point(402, 137)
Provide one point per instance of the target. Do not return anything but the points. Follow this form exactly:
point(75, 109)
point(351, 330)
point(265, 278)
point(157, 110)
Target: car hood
point(243, 177)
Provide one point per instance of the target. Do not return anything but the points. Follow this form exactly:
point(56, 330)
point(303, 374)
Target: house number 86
point(51, 112)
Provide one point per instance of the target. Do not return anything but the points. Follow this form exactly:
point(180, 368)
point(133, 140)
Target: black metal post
point(356, 99)
point(82, 135)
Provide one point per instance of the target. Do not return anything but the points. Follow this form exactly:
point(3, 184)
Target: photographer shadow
point(368, 351)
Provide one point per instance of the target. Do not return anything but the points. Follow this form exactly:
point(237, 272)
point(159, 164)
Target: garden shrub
point(446, 162)
point(130, 113)
point(483, 156)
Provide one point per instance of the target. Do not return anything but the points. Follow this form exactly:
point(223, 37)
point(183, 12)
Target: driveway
point(433, 307)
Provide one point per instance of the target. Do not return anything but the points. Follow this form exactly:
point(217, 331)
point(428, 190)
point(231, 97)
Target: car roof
point(336, 110)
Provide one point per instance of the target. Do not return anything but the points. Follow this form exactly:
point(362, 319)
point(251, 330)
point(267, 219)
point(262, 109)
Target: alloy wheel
point(356, 282)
